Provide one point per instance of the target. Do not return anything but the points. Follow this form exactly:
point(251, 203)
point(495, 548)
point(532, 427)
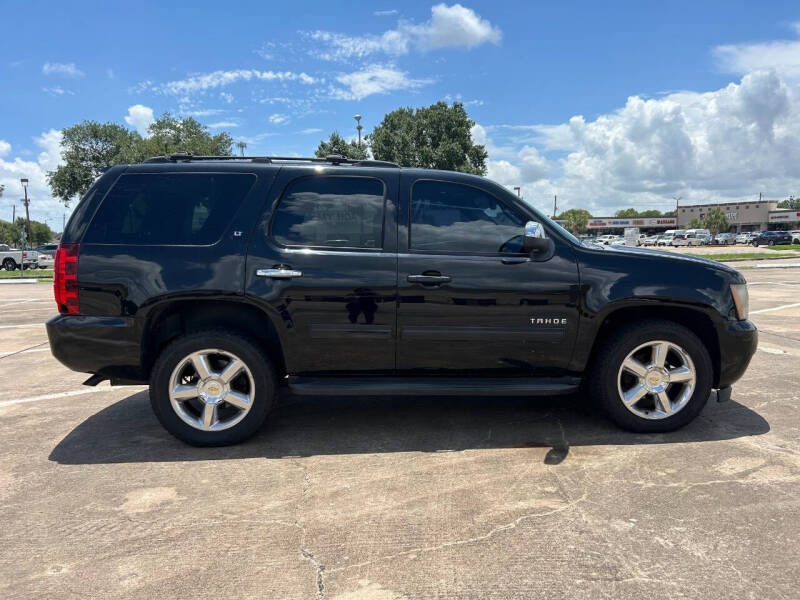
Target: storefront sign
point(602, 223)
point(784, 216)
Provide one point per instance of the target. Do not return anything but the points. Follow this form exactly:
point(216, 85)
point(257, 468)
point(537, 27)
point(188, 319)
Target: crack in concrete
point(320, 568)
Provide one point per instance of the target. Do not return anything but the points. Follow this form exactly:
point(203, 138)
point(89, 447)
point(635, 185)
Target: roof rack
point(334, 159)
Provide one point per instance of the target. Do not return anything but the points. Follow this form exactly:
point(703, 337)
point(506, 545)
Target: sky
point(607, 105)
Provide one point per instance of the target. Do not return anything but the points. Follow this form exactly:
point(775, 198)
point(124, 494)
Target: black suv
point(771, 238)
point(216, 280)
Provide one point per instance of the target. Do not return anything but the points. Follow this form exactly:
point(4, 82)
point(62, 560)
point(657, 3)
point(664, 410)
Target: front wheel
point(652, 377)
point(212, 388)
point(9, 264)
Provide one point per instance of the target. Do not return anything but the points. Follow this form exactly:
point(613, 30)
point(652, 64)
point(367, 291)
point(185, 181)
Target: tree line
point(11, 233)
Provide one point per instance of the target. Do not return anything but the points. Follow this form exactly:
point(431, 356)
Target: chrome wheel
point(211, 390)
point(656, 380)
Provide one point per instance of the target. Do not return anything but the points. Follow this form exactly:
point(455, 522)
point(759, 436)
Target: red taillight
point(65, 279)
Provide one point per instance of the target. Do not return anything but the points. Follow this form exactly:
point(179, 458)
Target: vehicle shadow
point(127, 431)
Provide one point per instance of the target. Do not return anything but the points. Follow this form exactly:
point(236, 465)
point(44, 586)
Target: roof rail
point(334, 159)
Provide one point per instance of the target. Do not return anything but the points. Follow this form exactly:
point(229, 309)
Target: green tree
point(650, 213)
point(791, 202)
point(435, 137)
point(716, 221)
point(577, 219)
point(627, 213)
point(336, 144)
point(696, 224)
point(89, 148)
point(169, 135)
point(9, 233)
point(40, 233)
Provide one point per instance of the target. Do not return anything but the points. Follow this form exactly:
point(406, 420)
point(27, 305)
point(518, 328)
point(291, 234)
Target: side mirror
point(534, 240)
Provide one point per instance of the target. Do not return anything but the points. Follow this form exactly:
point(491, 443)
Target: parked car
point(746, 237)
point(705, 238)
point(664, 240)
point(13, 258)
point(606, 239)
point(346, 277)
point(772, 238)
point(795, 236)
point(650, 240)
point(47, 248)
point(724, 239)
point(45, 261)
point(688, 239)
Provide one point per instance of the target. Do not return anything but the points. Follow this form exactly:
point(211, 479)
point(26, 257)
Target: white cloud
point(782, 56)
point(227, 97)
point(63, 69)
point(374, 79)
point(449, 27)
point(5, 147)
point(727, 144)
point(57, 90)
point(221, 124)
point(43, 205)
point(311, 130)
point(384, 13)
point(140, 117)
point(215, 79)
point(278, 119)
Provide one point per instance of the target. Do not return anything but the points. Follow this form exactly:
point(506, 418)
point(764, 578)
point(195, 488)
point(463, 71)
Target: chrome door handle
point(278, 273)
point(428, 279)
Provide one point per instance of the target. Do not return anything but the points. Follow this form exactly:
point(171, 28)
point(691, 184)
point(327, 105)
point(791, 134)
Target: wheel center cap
point(656, 380)
point(212, 391)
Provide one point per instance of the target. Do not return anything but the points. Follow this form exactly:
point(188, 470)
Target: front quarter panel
point(617, 278)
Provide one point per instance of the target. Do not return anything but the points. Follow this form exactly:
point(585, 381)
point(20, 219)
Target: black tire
point(772, 242)
point(9, 264)
point(602, 383)
point(260, 366)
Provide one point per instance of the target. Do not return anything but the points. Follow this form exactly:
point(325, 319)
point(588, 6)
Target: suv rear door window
point(450, 217)
point(169, 208)
point(338, 212)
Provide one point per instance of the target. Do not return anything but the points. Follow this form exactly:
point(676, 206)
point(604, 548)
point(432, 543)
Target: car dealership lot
point(399, 497)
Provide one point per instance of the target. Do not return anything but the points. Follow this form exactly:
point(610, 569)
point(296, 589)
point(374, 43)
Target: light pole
point(241, 146)
point(519, 193)
point(26, 201)
point(359, 128)
point(677, 218)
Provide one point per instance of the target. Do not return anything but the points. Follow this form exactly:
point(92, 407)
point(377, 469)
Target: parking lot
point(392, 498)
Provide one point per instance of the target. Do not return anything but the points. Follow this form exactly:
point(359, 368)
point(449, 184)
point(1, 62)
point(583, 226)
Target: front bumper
point(738, 341)
point(107, 346)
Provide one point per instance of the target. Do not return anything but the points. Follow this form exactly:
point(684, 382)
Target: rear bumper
point(738, 341)
point(107, 346)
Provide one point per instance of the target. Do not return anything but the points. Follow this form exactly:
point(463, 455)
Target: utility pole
point(677, 199)
point(555, 205)
point(27, 202)
point(359, 127)
point(519, 194)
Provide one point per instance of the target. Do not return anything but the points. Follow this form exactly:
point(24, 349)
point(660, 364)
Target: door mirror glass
point(534, 240)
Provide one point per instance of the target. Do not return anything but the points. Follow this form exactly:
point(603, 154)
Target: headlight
point(741, 299)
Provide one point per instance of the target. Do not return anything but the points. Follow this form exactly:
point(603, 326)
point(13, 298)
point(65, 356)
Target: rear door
point(323, 262)
point(470, 301)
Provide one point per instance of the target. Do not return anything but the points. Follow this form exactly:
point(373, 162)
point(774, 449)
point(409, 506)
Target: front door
point(323, 262)
point(470, 301)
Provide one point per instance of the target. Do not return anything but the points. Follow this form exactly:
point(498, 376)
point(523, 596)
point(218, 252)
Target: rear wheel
point(212, 388)
point(652, 377)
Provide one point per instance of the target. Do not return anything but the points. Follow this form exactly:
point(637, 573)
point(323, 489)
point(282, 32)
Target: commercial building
point(604, 225)
point(784, 219)
point(742, 216)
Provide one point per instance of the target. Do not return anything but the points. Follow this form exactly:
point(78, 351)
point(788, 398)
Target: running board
point(432, 386)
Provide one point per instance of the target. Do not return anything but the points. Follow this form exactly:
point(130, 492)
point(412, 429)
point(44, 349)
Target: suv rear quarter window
point(331, 212)
point(169, 208)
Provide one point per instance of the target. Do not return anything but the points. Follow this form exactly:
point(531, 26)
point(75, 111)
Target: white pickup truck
point(11, 258)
